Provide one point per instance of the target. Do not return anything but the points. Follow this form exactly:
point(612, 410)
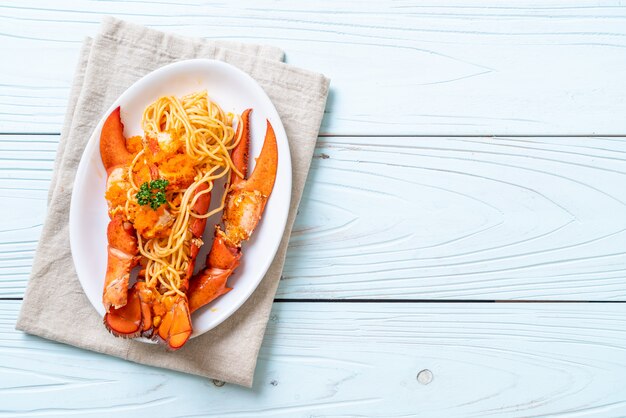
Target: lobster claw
point(113, 149)
point(264, 174)
point(245, 203)
point(122, 241)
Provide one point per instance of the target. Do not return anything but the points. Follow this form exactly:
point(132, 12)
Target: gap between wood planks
point(623, 136)
point(323, 135)
point(305, 300)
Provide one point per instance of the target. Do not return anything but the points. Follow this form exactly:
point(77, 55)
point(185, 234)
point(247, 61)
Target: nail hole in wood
point(425, 377)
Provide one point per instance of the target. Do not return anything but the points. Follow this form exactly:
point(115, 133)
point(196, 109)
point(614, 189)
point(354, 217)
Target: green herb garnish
point(152, 193)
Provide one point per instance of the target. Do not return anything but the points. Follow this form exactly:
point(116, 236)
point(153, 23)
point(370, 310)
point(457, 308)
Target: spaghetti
point(186, 142)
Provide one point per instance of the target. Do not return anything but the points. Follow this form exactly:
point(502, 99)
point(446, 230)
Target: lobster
point(139, 310)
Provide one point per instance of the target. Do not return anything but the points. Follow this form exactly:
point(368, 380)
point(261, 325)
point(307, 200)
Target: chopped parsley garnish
point(152, 193)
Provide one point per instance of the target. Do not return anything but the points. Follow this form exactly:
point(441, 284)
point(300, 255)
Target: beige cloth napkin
point(55, 306)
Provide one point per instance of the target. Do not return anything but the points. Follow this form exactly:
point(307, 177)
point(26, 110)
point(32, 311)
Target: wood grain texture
point(462, 218)
point(413, 218)
point(26, 163)
point(447, 67)
point(357, 360)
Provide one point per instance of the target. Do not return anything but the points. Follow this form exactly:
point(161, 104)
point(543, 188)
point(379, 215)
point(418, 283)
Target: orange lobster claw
point(245, 203)
point(239, 155)
point(264, 173)
point(113, 149)
point(122, 240)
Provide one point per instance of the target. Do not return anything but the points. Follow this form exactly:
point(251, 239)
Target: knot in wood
point(425, 377)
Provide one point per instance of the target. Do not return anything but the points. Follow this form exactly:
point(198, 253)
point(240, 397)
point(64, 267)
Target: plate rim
point(131, 91)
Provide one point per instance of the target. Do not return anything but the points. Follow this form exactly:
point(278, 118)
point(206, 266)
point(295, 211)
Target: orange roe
point(151, 223)
point(178, 170)
point(116, 195)
point(134, 144)
point(141, 173)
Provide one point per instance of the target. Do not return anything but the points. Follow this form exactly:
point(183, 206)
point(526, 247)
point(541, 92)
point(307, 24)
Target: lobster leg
point(245, 203)
point(122, 257)
point(211, 281)
point(141, 310)
point(167, 318)
point(122, 249)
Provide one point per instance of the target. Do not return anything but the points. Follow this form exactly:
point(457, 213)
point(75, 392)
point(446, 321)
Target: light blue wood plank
point(447, 67)
point(26, 163)
point(339, 359)
point(462, 218)
point(412, 218)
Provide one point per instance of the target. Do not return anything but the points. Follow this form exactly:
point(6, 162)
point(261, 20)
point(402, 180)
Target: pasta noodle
point(191, 132)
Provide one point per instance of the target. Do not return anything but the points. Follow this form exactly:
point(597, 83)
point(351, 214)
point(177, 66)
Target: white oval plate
point(234, 91)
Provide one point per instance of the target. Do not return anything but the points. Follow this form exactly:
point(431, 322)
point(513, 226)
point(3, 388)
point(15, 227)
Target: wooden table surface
point(460, 249)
